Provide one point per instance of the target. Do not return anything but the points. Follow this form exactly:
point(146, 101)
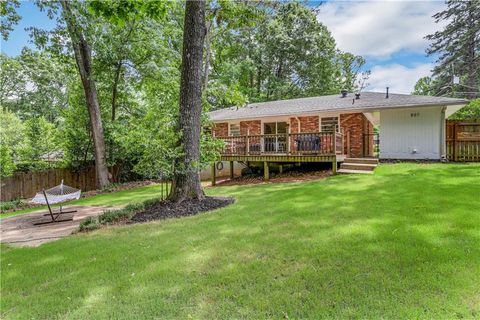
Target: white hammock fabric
point(57, 194)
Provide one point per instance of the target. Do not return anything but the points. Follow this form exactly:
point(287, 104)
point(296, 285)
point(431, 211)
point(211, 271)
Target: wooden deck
point(282, 148)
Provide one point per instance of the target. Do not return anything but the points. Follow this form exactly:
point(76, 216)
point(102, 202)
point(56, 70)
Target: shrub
point(11, 205)
point(89, 224)
point(111, 216)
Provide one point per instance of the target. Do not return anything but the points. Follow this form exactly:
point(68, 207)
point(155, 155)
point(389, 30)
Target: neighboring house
point(332, 128)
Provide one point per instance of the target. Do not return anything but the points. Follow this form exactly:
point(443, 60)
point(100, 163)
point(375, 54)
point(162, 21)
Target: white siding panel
point(413, 133)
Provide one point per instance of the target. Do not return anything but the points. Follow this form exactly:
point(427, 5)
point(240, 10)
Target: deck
point(282, 148)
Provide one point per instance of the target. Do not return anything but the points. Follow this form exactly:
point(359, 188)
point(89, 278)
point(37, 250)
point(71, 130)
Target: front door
point(275, 139)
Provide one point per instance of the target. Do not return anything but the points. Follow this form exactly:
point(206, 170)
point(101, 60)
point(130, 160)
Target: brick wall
point(307, 124)
point(354, 126)
point(250, 127)
point(220, 129)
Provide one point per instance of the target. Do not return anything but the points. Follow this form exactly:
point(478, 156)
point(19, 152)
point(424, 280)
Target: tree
point(7, 166)
point(469, 112)
point(458, 46)
point(351, 77)
point(186, 181)
point(283, 52)
point(12, 79)
point(83, 57)
point(424, 87)
point(9, 16)
point(41, 140)
point(33, 84)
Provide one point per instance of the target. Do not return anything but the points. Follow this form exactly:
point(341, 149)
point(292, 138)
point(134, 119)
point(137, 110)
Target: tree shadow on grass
point(398, 245)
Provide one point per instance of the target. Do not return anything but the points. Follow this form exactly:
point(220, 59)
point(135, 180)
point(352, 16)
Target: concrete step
point(361, 160)
point(354, 171)
point(358, 166)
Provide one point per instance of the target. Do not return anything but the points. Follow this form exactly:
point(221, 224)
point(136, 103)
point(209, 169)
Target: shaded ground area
point(21, 231)
point(167, 209)
point(290, 176)
point(403, 243)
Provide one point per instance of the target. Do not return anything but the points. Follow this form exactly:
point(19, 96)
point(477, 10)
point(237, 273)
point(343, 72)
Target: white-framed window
point(234, 129)
point(329, 124)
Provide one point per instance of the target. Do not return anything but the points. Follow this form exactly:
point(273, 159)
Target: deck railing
point(317, 143)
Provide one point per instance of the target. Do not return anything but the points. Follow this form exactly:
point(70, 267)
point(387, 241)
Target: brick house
point(335, 127)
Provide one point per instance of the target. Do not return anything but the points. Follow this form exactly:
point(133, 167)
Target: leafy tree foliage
point(458, 47)
point(470, 112)
point(254, 51)
point(33, 85)
point(287, 53)
point(424, 87)
point(9, 16)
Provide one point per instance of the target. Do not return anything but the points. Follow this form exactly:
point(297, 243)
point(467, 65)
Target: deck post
point(214, 182)
point(334, 166)
point(266, 173)
point(231, 170)
point(280, 168)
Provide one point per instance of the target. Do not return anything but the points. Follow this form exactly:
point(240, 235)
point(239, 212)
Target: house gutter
point(443, 138)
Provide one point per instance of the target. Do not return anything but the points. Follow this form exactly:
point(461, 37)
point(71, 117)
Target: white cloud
point(380, 28)
point(400, 79)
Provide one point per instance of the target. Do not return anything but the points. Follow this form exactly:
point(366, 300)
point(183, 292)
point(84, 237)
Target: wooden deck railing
point(317, 143)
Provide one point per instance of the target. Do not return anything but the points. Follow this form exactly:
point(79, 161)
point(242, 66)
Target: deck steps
point(361, 160)
point(358, 165)
point(354, 171)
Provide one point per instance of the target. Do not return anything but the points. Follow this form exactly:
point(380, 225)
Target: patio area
point(21, 231)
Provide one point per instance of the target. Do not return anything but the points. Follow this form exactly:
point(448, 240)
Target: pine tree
point(458, 47)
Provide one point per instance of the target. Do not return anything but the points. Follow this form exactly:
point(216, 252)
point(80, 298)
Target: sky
point(388, 34)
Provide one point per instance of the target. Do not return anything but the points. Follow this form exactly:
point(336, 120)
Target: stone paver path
point(20, 231)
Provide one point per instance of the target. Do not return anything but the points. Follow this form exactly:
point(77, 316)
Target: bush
point(89, 224)
point(112, 216)
point(11, 205)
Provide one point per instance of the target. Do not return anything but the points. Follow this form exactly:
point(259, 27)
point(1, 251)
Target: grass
point(119, 198)
point(402, 243)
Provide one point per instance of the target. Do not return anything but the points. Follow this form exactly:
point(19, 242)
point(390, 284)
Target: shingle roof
point(368, 101)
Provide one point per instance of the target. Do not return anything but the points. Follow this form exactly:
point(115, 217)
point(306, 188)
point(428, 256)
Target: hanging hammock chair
point(57, 194)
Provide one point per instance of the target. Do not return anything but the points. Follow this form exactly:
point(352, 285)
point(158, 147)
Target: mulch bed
point(168, 209)
point(291, 176)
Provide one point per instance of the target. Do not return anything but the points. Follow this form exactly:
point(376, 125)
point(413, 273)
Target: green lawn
point(403, 243)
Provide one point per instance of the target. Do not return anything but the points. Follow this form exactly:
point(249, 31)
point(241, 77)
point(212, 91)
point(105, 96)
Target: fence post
point(455, 144)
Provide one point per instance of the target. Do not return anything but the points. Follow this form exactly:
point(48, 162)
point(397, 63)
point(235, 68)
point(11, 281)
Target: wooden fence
point(27, 184)
point(463, 140)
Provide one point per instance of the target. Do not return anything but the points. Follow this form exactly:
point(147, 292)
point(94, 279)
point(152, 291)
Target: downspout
point(443, 142)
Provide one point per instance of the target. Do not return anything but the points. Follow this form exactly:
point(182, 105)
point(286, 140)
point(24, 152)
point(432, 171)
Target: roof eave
point(343, 110)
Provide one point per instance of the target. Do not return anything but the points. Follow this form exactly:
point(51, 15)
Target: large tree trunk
point(116, 79)
point(83, 57)
point(208, 54)
point(186, 181)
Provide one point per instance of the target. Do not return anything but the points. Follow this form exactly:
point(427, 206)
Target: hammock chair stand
point(56, 194)
point(53, 215)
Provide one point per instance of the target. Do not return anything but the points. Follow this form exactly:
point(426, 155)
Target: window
point(329, 124)
point(275, 127)
point(234, 129)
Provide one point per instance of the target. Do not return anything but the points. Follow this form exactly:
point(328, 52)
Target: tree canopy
point(253, 51)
